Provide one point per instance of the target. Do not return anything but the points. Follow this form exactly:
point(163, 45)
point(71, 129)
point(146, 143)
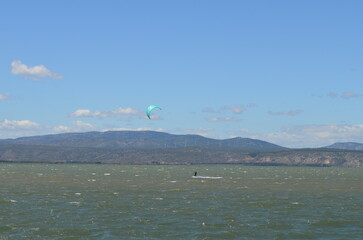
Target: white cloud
point(125, 111)
point(330, 131)
point(21, 124)
point(236, 109)
point(35, 72)
point(61, 129)
point(223, 119)
point(290, 113)
point(18, 128)
point(309, 135)
point(76, 126)
point(4, 96)
point(199, 131)
point(21, 128)
point(84, 113)
point(103, 114)
point(83, 126)
point(133, 129)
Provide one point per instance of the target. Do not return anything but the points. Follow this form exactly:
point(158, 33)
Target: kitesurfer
point(195, 174)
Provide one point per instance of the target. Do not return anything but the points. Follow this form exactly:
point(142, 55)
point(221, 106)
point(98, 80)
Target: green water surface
point(60, 201)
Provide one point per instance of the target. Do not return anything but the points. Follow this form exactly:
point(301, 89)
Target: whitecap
point(159, 198)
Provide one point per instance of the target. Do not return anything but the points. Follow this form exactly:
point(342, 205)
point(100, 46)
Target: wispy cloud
point(209, 110)
point(34, 73)
point(347, 95)
point(199, 131)
point(329, 131)
point(333, 95)
point(4, 96)
point(236, 109)
point(21, 128)
point(252, 105)
point(344, 95)
point(133, 129)
point(77, 126)
point(309, 135)
point(104, 114)
point(223, 119)
point(289, 113)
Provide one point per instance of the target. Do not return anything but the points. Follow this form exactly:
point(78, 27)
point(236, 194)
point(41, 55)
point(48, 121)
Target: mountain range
point(141, 140)
point(150, 147)
point(347, 146)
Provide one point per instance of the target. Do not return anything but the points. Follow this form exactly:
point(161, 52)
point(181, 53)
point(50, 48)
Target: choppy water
point(40, 201)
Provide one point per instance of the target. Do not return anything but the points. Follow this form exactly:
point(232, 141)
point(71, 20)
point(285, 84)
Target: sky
point(287, 72)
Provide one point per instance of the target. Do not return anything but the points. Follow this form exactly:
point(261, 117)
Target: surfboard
point(206, 177)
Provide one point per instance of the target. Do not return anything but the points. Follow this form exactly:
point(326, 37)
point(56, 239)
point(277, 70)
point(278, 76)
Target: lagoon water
point(56, 201)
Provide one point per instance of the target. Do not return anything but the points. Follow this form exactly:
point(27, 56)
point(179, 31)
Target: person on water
point(195, 174)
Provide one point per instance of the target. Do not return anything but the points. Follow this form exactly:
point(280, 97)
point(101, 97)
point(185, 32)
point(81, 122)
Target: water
point(40, 201)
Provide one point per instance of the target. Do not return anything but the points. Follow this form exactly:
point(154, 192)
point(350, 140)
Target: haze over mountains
point(149, 147)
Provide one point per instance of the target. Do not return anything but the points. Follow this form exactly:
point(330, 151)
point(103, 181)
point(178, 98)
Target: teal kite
point(149, 109)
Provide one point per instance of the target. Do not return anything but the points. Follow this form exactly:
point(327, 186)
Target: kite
point(149, 109)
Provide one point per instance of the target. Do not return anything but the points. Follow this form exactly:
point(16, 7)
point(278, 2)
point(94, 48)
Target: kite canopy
point(149, 109)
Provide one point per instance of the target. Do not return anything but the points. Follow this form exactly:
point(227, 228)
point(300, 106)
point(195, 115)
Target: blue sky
point(288, 72)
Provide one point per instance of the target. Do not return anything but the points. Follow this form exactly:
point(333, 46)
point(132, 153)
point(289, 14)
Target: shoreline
point(182, 164)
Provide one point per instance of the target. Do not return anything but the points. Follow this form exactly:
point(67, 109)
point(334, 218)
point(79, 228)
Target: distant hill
point(347, 146)
point(148, 147)
point(141, 140)
point(187, 156)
